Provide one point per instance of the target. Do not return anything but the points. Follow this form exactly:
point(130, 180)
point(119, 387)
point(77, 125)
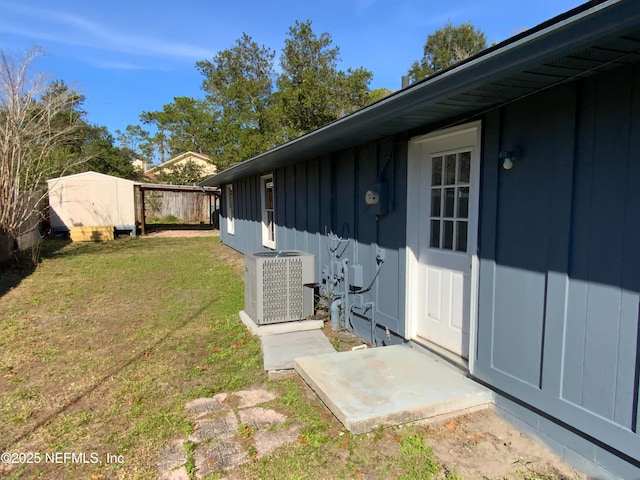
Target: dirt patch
point(171, 233)
point(482, 445)
point(476, 446)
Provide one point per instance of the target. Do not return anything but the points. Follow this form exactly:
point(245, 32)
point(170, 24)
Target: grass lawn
point(104, 343)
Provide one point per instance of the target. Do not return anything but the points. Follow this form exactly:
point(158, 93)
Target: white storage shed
point(91, 199)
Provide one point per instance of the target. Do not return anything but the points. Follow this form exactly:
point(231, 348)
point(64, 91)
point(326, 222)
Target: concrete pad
point(389, 386)
point(278, 328)
point(280, 350)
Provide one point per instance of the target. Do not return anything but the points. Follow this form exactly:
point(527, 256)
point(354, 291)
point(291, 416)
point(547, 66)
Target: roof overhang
point(595, 37)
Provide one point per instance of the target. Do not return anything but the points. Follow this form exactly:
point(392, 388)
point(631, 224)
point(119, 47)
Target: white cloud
point(74, 30)
point(113, 64)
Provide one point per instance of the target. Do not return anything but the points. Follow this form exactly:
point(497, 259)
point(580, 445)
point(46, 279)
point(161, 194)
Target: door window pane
point(450, 169)
point(436, 171)
point(463, 202)
point(464, 167)
point(449, 201)
point(435, 234)
point(448, 235)
point(449, 193)
point(461, 236)
point(436, 197)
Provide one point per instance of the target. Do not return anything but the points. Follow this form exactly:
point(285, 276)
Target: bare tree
point(36, 124)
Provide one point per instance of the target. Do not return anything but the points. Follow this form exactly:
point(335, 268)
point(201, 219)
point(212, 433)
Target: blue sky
point(134, 56)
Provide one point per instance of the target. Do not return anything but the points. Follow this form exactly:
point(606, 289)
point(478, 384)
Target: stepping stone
point(203, 406)
point(217, 428)
point(221, 397)
point(261, 418)
point(218, 456)
point(179, 474)
point(173, 457)
point(251, 398)
point(267, 441)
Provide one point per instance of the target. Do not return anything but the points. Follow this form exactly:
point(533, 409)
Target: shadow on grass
point(160, 227)
point(13, 271)
point(112, 373)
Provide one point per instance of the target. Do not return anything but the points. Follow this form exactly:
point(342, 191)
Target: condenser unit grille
point(274, 285)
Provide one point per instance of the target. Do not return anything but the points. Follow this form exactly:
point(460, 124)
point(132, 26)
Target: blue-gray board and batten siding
point(559, 250)
point(559, 286)
point(325, 195)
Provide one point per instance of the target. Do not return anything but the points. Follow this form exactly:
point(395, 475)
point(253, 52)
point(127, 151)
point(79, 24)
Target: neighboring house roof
point(182, 157)
point(594, 37)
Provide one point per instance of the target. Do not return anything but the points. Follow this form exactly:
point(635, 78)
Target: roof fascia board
point(527, 49)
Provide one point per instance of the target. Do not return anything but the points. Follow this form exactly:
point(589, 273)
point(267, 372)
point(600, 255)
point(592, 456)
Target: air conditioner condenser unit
point(275, 286)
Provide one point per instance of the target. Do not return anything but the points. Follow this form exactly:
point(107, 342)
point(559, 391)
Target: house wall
point(323, 195)
point(559, 264)
point(559, 281)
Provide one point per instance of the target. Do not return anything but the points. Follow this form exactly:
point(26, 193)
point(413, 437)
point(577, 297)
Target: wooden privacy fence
point(32, 208)
point(187, 207)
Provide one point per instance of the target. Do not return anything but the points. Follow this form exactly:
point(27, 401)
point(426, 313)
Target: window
point(229, 209)
point(450, 201)
point(268, 212)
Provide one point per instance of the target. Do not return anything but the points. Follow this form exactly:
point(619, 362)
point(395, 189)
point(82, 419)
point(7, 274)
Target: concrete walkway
point(284, 342)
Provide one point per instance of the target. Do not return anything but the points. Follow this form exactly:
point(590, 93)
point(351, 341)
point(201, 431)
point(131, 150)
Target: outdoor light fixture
point(507, 159)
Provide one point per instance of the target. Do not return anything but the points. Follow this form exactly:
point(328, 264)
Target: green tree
point(447, 46)
point(138, 140)
point(379, 94)
point(312, 91)
point(103, 156)
point(242, 115)
point(239, 87)
point(184, 125)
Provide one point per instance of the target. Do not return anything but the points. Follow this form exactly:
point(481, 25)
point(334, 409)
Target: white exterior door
point(443, 210)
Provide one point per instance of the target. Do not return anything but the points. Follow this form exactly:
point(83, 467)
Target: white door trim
point(471, 134)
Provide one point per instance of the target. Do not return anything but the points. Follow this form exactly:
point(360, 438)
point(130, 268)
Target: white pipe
point(335, 313)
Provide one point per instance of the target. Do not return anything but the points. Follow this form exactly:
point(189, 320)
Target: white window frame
point(229, 210)
point(268, 234)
